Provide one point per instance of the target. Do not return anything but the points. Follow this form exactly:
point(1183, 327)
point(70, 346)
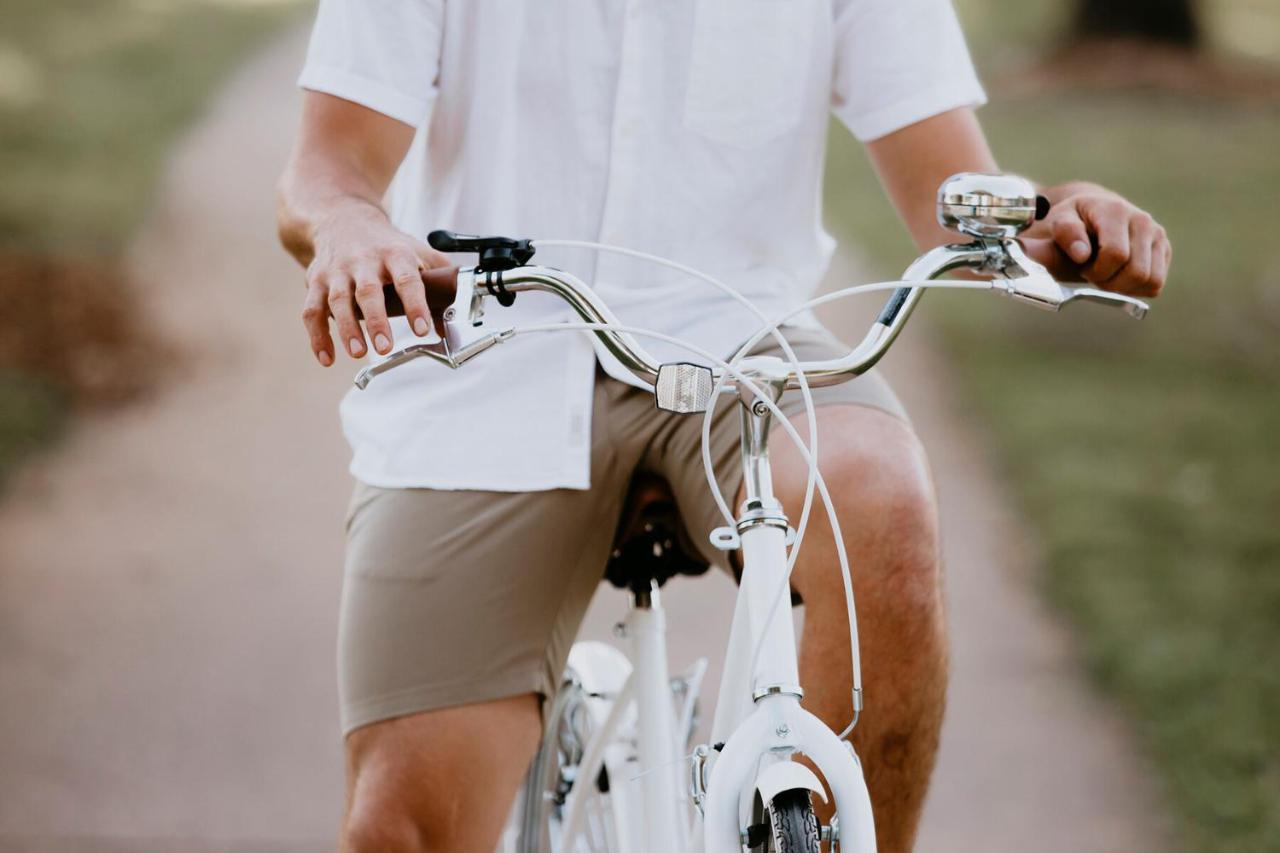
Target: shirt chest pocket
point(747, 69)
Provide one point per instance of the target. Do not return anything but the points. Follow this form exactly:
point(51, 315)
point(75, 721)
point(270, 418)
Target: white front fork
point(780, 725)
point(775, 723)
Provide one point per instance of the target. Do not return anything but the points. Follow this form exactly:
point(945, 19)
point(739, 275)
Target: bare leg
point(438, 781)
point(880, 485)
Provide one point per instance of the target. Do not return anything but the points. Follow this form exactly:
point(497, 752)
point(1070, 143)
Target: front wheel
point(790, 825)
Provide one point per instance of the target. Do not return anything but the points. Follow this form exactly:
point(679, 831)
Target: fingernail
point(380, 343)
point(421, 326)
point(324, 358)
point(356, 346)
point(1079, 251)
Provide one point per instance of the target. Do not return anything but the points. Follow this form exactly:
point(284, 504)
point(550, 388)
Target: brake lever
point(441, 351)
point(1027, 281)
point(462, 334)
point(436, 350)
point(1135, 308)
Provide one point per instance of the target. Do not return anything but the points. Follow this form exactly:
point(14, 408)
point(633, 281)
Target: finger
point(1161, 255)
point(1071, 235)
point(1110, 225)
point(315, 317)
point(342, 307)
point(1135, 276)
point(406, 274)
point(368, 293)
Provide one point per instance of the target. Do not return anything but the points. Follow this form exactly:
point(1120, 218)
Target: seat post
point(646, 598)
point(659, 761)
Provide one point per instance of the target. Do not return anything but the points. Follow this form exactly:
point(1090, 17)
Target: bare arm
point(1091, 233)
point(330, 218)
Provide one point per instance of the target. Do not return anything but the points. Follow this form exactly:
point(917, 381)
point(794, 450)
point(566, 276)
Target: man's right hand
point(330, 219)
point(355, 255)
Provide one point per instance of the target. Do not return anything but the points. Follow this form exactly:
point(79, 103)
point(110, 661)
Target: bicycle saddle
point(651, 543)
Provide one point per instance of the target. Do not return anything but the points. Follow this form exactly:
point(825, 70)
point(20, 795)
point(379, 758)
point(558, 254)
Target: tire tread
point(794, 825)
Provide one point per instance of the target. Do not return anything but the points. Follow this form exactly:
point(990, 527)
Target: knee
point(394, 808)
point(438, 781)
point(381, 825)
point(878, 477)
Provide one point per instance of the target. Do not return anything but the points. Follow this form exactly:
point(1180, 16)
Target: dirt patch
point(77, 325)
point(1127, 65)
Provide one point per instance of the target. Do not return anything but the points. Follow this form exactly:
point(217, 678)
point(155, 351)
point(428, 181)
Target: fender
point(603, 670)
point(787, 776)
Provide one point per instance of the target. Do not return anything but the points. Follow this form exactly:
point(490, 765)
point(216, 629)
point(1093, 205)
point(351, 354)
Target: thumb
point(1071, 235)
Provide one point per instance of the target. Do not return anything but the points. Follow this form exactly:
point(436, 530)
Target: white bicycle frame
point(758, 715)
point(759, 725)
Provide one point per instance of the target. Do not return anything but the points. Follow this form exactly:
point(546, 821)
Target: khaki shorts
point(457, 597)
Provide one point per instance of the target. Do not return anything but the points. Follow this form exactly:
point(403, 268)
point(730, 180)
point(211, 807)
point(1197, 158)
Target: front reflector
point(683, 388)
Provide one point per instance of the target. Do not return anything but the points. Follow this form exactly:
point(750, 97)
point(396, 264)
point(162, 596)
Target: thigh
point(459, 597)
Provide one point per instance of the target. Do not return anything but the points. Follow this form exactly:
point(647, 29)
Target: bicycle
point(608, 773)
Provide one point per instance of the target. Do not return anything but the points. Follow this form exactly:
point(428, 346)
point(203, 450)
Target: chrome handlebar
point(991, 209)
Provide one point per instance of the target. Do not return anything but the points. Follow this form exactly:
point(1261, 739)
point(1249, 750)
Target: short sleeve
point(898, 62)
point(382, 54)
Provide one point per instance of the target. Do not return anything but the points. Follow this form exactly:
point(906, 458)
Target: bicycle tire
point(793, 825)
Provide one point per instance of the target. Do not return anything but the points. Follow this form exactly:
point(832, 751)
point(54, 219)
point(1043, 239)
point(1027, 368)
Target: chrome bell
point(992, 206)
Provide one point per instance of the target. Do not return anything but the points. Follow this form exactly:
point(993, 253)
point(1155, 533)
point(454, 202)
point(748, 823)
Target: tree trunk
point(1167, 21)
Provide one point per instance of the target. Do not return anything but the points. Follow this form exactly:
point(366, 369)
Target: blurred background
point(171, 474)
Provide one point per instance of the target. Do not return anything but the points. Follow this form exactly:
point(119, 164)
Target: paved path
point(169, 578)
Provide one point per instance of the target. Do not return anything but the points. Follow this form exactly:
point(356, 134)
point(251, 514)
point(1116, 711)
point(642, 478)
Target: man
point(487, 496)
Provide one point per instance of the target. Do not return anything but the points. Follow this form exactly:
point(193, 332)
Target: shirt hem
point(472, 484)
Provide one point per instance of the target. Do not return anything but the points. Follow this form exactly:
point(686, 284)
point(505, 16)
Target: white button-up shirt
point(694, 129)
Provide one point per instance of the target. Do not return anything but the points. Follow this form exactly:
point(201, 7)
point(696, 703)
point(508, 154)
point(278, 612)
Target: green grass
point(1146, 456)
point(92, 96)
point(31, 415)
point(96, 91)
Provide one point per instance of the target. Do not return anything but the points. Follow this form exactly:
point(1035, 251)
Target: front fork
point(759, 709)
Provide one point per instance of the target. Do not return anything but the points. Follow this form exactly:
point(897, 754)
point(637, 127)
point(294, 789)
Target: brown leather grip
point(441, 286)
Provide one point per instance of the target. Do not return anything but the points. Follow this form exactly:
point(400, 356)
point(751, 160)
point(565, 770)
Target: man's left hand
point(1099, 236)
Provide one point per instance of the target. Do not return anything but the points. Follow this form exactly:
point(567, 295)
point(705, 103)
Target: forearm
point(340, 167)
point(912, 162)
point(315, 194)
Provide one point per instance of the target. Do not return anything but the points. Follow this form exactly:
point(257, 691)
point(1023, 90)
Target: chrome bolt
point(760, 408)
point(450, 313)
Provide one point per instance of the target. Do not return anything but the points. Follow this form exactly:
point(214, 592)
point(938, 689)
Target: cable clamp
point(725, 539)
point(493, 280)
